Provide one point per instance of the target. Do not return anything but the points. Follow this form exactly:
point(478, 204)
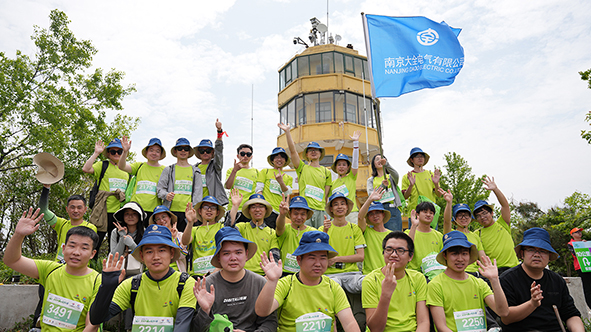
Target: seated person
point(457, 299)
point(394, 297)
point(532, 289)
point(233, 289)
point(306, 299)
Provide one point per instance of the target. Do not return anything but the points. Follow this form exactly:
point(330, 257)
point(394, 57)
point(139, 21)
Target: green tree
point(586, 134)
point(53, 102)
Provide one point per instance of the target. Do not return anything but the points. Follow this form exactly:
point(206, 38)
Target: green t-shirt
point(388, 195)
point(203, 169)
point(265, 238)
point(113, 179)
point(402, 312)
point(498, 243)
point(204, 247)
point(288, 243)
point(425, 244)
point(473, 238)
point(345, 240)
point(145, 187)
point(183, 188)
point(62, 226)
point(423, 185)
point(348, 186)
point(374, 259)
point(67, 298)
point(246, 183)
point(272, 190)
point(462, 301)
point(311, 182)
point(156, 298)
point(296, 300)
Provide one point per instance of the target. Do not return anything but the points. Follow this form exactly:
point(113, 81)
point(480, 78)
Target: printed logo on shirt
point(166, 304)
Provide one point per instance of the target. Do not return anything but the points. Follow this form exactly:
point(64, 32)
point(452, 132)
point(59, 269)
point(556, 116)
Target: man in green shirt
point(243, 178)
point(211, 164)
point(289, 236)
point(274, 184)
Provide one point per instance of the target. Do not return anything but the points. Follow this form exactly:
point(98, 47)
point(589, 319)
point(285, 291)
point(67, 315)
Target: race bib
point(243, 184)
point(430, 266)
point(342, 189)
point(115, 184)
point(388, 196)
point(291, 263)
point(274, 187)
point(183, 187)
point(470, 320)
point(146, 187)
point(203, 182)
point(314, 192)
point(314, 322)
point(152, 324)
point(202, 265)
point(62, 312)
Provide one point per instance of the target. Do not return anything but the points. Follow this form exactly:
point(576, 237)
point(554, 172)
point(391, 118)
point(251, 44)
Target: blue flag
point(407, 54)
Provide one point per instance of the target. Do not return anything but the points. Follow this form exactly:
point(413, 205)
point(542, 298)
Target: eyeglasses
point(462, 216)
point(481, 214)
point(533, 250)
point(258, 206)
point(163, 218)
point(248, 154)
point(114, 152)
point(183, 148)
point(205, 150)
point(209, 207)
point(399, 251)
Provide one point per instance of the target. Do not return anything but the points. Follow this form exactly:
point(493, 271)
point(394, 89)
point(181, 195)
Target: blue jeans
point(395, 222)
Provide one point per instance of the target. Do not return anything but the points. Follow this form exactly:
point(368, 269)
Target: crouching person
point(306, 300)
point(160, 297)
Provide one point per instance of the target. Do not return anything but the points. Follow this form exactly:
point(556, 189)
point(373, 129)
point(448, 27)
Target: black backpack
point(95, 189)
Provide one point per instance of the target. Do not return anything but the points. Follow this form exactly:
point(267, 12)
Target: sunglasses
point(248, 154)
point(205, 150)
point(183, 148)
point(114, 152)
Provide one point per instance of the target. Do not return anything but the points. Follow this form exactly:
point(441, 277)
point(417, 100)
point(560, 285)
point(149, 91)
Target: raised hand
point(487, 268)
point(383, 161)
point(536, 294)
point(126, 143)
point(411, 178)
point(436, 176)
point(273, 271)
point(218, 124)
point(113, 264)
point(447, 195)
point(356, 135)
point(99, 147)
point(190, 213)
point(279, 176)
point(29, 222)
point(204, 298)
point(236, 197)
point(284, 205)
point(389, 283)
point(327, 224)
point(489, 183)
point(377, 194)
point(284, 127)
point(119, 227)
point(174, 231)
point(237, 165)
point(414, 218)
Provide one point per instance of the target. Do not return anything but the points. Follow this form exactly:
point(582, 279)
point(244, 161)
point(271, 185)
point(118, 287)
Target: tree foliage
point(53, 102)
point(586, 134)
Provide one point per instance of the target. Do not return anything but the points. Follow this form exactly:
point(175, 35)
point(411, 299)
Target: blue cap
point(299, 202)
point(457, 239)
point(115, 143)
point(156, 234)
point(212, 200)
point(539, 238)
point(159, 209)
point(340, 156)
point(378, 206)
point(154, 141)
point(335, 196)
point(461, 207)
point(205, 143)
point(232, 235)
point(315, 241)
point(414, 151)
point(276, 151)
point(182, 142)
point(256, 199)
point(480, 204)
point(315, 146)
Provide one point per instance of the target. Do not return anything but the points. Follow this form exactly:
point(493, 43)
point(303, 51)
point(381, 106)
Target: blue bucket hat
point(539, 238)
point(415, 151)
point(457, 239)
point(156, 234)
point(480, 204)
point(378, 206)
point(315, 146)
point(315, 241)
point(461, 207)
point(182, 142)
point(256, 199)
point(205, 143)
point(340, 156)
point(276, 151)
point(232, 235)
point(299, 202)
point(335, 196)
point(162, 208)
point(154, 141)
point(213, 200)
point(115, 143)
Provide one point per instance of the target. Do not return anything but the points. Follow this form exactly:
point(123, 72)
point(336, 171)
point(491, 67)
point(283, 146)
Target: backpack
point(95, 189)
point(221, 323)
point(137, 279)
point(130, 190)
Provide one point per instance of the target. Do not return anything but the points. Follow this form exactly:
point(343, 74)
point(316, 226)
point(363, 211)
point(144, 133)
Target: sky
point(515, 111)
